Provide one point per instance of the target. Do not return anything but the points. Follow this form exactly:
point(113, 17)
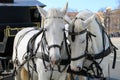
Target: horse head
point(54, 31)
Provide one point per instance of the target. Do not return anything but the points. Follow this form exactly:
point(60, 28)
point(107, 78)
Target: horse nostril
point(55, 61)
point(58, 61)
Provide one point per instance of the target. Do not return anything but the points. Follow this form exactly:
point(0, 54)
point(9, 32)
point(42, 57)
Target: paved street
point(115, 73)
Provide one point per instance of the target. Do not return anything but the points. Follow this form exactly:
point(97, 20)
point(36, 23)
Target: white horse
point(40, 51)
point(88, 39)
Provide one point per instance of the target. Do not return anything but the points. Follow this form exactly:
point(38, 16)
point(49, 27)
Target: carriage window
point(13, 17)
point(35, 16)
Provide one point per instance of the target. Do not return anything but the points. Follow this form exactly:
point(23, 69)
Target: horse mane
point(53, 12)
point(100, 17)
point(77, 27)
point(82, 15)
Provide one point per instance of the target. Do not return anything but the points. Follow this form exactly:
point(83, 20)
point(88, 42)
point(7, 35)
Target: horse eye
point(63, 29)
point(45, 29)
point(83, 41)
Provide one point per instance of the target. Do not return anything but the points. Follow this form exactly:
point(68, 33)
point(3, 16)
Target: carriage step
point(3, 44)
point(4, 73)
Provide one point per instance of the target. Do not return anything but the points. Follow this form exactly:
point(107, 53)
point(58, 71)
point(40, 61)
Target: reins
point(111, 48)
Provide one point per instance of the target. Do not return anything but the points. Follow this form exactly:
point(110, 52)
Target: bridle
point(88, 36)
point(54, 45)
point(64, 61)
point(86, 53)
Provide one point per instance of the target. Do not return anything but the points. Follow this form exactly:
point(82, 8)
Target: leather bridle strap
point(78, 33)
point(53, 46)
point(79, 57)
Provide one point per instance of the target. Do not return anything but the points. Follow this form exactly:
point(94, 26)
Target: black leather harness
point(92, 57)
point(44, 56)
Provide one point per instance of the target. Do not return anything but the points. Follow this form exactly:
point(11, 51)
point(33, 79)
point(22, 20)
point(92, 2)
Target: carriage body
point(15, 15)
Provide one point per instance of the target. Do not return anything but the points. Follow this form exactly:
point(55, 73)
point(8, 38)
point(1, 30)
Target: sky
point(78, 5)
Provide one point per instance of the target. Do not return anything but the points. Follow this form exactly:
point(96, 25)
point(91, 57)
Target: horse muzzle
point(55, 61)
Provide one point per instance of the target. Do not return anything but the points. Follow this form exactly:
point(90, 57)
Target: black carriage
point(15, 15)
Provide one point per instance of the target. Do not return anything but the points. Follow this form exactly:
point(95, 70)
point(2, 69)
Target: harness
point(32, 52)
point(44, 56)
point(86, 71)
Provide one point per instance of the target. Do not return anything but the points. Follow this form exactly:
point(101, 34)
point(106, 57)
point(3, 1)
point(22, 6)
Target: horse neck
point(97, 42)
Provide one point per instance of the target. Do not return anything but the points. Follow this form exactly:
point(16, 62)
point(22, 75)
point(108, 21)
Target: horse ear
point(64, 9)
point(67, 19)
point(41, 11)
point(88, 21)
